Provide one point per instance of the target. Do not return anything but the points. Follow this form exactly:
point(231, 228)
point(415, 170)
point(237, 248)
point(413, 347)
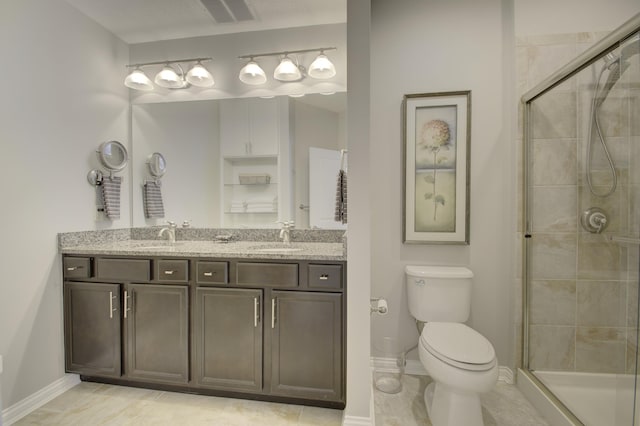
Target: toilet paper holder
point(379, 306)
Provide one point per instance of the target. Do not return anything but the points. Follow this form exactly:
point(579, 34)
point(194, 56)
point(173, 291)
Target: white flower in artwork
point(434, 137)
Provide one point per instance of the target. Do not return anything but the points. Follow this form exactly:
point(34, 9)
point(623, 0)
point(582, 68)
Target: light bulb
point(138, 80)
point(322, 68)
point(199, 76)
point(252, 74)
point(168, 78)
point(287, 71)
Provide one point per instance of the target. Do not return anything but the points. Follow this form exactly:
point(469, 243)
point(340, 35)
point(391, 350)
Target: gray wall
point(64, 97)
point(433, 46)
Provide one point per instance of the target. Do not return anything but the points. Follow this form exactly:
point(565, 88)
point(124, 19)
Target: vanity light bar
point(286, 52)
point(174, 61)
point(170, 77)
point(321, 68)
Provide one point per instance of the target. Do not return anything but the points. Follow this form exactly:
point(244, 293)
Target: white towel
point(111, 196)
point(152, 200)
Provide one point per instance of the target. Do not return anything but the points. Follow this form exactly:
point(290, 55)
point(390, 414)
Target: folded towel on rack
point(111, 196)
point(341, 198)
point(152, 199)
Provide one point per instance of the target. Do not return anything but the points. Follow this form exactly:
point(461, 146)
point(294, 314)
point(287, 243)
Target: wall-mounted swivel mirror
point(113, 156)
point(157, 164)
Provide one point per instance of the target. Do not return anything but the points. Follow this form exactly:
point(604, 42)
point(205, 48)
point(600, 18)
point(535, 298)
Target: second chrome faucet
point(285, 231)
point(170, 231)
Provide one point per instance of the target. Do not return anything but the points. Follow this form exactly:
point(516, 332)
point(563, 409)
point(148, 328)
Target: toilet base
point(448, 407)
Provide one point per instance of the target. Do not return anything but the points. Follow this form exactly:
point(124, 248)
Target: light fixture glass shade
point(199, 76)
point(138, 80)
point(322, 68)
point(287, 71)
point(252, 74)
point(169, 78)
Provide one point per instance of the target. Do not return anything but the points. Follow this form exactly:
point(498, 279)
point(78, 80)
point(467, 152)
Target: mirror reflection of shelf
point(242, 185)
point(248, 213)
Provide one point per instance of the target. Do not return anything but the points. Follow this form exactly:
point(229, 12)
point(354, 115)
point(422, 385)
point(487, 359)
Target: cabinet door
point(306, 345)
point(92, 328)
point(263, 126)
point(234, 127)
point(157, 332)
point(228, 338)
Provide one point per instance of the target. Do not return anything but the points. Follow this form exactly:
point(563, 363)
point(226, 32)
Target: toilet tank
point(439, 293)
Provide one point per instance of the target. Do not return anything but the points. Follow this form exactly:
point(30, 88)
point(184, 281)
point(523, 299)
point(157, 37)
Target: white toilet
point(461, 361)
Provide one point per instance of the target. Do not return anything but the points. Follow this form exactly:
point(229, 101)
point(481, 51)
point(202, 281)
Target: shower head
point(611, 60)
point(615, 68)
point(616, 63)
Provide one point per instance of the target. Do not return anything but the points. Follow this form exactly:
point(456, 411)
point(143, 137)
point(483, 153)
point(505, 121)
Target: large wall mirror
point(223, 169)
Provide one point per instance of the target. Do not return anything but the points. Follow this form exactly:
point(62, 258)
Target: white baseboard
point(362, 421)
point(356, 421)
point(31, 403)
point(414, 367)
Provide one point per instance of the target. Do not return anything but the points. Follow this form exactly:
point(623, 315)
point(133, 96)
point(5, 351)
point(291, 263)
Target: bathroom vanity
point(244, 319)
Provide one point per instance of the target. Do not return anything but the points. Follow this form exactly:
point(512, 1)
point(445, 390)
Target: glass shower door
point(583, 219)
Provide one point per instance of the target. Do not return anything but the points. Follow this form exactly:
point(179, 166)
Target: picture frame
point(437, 148)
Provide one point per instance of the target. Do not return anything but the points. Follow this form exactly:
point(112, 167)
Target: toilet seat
point(458, 345)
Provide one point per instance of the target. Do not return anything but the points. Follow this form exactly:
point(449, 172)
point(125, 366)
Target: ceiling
point(139, 21)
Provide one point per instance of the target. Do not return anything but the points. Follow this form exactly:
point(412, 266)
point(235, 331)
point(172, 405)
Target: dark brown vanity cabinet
point(92, 317)
point(228, 338)
point(157, 332)
point(144, 324)
point(266, 329)
point(306, 345)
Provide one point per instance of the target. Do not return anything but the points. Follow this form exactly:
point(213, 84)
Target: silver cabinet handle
point(169, 272)
point(208, 274)
point(73, 268)
point(273, 313)
point(126, 304)
point(324, 277)
point(255, 312)
point(111, 310)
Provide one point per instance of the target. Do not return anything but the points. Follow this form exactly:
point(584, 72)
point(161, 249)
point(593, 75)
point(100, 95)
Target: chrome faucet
point(171, 230)
point(285, 232)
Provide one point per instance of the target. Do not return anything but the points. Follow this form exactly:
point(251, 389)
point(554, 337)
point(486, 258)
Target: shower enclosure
point(582, 233)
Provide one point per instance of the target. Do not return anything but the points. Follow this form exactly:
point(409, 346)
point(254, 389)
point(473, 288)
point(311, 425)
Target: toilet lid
point(459, 345)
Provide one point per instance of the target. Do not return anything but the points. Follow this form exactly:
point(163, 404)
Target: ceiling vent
point(228, 11)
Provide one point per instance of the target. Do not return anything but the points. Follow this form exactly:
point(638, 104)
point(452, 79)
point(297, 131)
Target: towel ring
point(95, 177)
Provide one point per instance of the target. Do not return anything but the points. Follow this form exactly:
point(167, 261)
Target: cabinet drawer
point(212, 272)
point(172, 270)
point(76, 267)
point(267, 274)
point(325, 276)
point(123, 269)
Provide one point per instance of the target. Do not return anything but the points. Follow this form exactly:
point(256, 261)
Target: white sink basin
point(158, 246)
point(277, 249)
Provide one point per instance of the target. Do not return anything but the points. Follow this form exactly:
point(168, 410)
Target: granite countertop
point(211, 249)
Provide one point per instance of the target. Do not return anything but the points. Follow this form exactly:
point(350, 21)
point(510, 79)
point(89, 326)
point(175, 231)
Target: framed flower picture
point(437, 133)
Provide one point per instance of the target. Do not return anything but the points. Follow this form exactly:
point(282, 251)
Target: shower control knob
point(594, 220)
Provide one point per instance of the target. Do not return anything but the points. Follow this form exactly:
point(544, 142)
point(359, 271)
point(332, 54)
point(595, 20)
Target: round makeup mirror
point(113, 155)
point(157, 164)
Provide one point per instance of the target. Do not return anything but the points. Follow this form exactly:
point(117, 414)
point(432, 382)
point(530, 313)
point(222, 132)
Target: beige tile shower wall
point(583, 289)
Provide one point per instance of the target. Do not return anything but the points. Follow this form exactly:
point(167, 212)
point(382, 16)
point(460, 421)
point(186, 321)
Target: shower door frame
point(582, 61)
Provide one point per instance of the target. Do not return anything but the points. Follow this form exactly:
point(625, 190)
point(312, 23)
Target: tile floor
point(99, 404)
point(503, 406)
